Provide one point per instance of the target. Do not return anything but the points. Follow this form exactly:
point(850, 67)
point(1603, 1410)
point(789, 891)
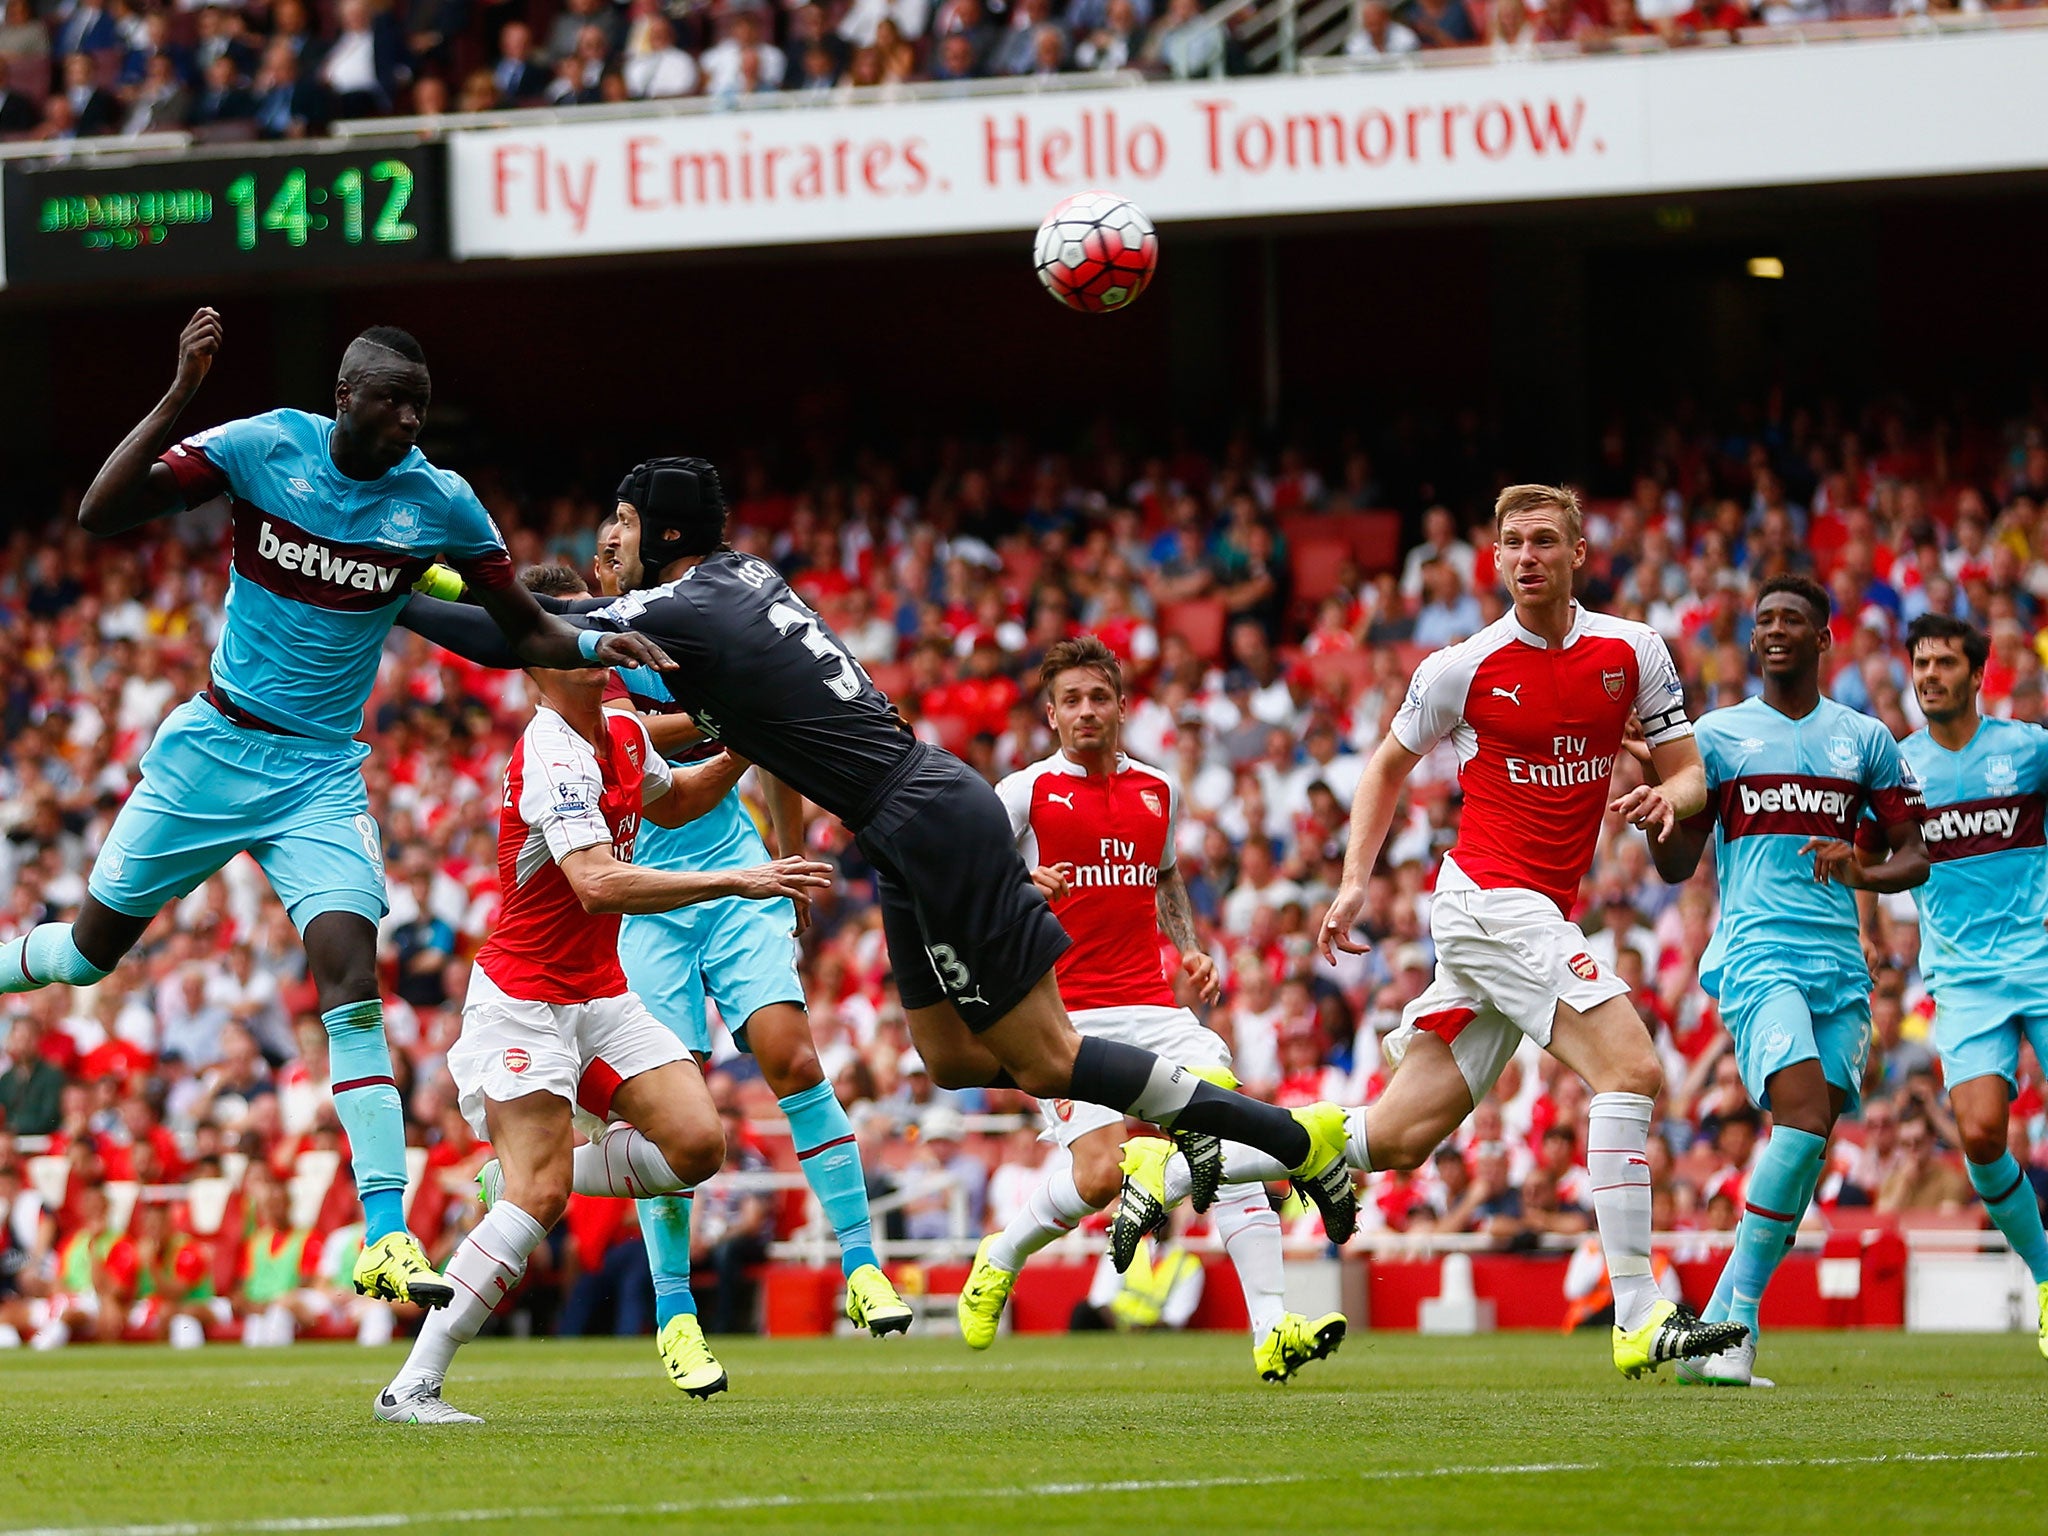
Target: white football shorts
point(1504, 960)
point(581, 1052)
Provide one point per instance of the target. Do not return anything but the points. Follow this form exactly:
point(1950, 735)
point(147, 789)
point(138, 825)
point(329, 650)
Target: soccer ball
point(1096, 252)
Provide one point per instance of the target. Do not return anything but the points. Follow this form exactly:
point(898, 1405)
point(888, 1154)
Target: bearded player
point(549, 1026)
point(1535, 706)
point(1098, 827)
point(334, 520)
point(1983, 914)
point(742, 955)
point(1792, 774)
point(972, 939)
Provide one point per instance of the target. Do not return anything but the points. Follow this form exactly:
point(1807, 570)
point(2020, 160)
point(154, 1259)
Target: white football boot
point(417, 1403)
point(1732, 1367)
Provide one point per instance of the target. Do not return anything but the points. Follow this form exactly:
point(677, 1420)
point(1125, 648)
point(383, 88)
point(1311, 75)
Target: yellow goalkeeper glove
point(440, 581)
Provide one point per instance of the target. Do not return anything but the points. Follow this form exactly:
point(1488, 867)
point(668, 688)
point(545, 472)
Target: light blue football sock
point(665, 1228)
point(366, 1099)
point(1779, 1192)
point(830, 1159)
point(45, 956)
point(2009, 1197)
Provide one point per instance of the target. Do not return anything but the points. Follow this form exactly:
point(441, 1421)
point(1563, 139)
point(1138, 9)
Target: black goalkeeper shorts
point(964, 922)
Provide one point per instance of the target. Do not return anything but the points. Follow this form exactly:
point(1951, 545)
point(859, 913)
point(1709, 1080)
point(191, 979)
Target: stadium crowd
point(169, 1152)
point(281, 69)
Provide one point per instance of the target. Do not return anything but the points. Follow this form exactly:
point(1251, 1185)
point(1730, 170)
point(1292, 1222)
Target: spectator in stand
point(1725, 16)
point(85, 26)
point(159, 103)
point(807, 29)
point(93, 111)
point(1114, 44)
point(660, 68)
point(1450, 613)
point(726, 68)
point(1016, 53)
point(1922, 1178)
point(1182, 43)
point(431, 30)
point(518, 78)
point(1565, 21)
point(1438, 543)
point(291, 22)
point(957, 60)
point(862, 23)
point(363, 68)
point(953, 1182)
point(1376, 35)
point(18, 114)
point(31, 1089)
point(566, 35)
point(1440, 24)
point(1509, 31)
point(287, 105)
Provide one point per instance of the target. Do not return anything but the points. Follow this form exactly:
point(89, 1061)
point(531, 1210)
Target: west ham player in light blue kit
point(1983, 943)
point(1790, 775)
point(334, 520)
point(742, 955)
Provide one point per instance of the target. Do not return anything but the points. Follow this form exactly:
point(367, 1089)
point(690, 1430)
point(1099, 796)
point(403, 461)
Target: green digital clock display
point(201, 217)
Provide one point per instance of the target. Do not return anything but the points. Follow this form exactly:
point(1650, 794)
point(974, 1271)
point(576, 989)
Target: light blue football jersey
point(323, 562)
point(1986, 897)
point(724, 837)
point(1772, 783)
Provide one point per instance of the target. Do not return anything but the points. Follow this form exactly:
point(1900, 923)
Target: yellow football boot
point(689, 1360)
point(982, 1298)
point(395, 1268)
point(872, 1302)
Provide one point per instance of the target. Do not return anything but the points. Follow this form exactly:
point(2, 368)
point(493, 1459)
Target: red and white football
point(1096, 252)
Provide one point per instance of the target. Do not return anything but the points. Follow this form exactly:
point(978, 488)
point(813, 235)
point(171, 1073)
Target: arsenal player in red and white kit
point(1536, 706)
point(549, 1027)
point(1097, 829)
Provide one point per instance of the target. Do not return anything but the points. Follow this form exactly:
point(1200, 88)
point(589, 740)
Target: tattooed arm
point(1177, 922)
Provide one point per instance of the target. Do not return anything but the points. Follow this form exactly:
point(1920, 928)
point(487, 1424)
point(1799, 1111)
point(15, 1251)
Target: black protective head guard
point(681, 507)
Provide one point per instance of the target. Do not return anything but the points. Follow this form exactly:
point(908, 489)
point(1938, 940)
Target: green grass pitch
point(1510, 1433)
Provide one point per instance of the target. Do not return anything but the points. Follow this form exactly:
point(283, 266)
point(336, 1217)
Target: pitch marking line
point(401, 1518)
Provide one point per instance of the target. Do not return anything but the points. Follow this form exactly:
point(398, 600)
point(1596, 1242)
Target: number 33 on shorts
point(953, 976)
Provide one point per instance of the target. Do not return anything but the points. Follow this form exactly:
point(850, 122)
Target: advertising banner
point(1583, 127)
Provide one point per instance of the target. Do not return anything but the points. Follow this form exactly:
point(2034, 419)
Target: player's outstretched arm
point(542, 639)
point(1372, 813)
point(132, 487)
point(477, 635)
point(695, 790)
point(603, 884)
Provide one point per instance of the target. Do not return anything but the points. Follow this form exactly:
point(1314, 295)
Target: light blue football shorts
point(211, 789)
point(740, 953)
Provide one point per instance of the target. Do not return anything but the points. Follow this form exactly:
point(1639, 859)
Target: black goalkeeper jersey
point(759, 670)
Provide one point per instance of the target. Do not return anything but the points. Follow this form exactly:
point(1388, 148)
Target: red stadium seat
point(892, 677)
point(955, 731)
point(1376, 540)
point(1200, 622)
point(1354, 667)
point(1372, 538)
point(1316, 563)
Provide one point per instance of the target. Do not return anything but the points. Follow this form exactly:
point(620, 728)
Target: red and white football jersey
point(1117, 831)
point(1536, 729)
point(560, 796)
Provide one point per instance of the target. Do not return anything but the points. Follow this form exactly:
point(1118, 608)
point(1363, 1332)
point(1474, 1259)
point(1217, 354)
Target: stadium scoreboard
point(221, 217)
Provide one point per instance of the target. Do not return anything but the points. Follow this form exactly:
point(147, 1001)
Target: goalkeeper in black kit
point(971, 939)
